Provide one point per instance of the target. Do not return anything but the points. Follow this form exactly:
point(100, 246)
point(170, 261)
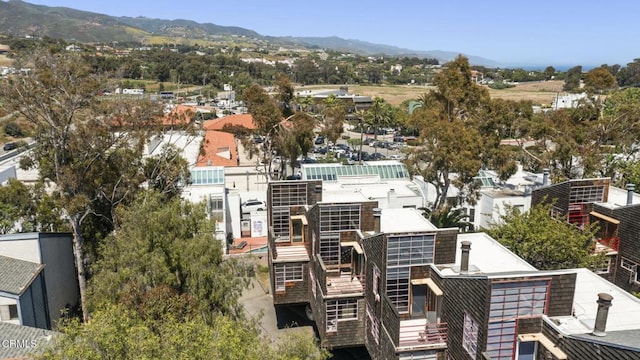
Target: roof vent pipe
point(464, 259)
point(545, 177)
point(377, 213)
point(630, 189)
point(604, 303)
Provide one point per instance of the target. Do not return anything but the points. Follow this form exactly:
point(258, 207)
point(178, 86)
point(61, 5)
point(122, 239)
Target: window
point(13, 312)
point(557, 212)
point(312, 279)
point(628, 265)
point(373, 325)
point(527, 350)
point(340, 310)
point(398, 288)
point(280, 222)
point(470, 335)
point(631, 266)
point(339, 217)
point(207, 176)
point(9, 312)
point(330, 248)
point(297, 230)
point(216, 208)
point(586, 194)
point(376, 282)
point(286, 273)
point(500, 339)
point(509, 301)
point(283, 195)
point(288, 194)
point(410, 250)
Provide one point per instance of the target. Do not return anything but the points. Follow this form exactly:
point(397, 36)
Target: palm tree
point(379, 115)
point(448, 218)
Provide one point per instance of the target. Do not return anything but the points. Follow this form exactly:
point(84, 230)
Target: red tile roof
point(179, 115)
point(219, 149)
point(245, 120)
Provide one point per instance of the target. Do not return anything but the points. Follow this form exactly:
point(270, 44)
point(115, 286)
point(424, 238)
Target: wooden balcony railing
point(612, 243)
point(421, 334)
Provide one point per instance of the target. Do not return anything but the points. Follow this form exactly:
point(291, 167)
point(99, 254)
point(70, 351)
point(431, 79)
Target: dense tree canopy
point(161, 290)
point(599, 79)
point(449, 134)
point(78, 146)
point(572, 79)
point(170, 243)
point(546, 242)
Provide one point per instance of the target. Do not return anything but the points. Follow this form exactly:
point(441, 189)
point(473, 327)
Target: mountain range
point(19, 18)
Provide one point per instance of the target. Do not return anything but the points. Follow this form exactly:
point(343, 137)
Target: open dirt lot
point(540, 93)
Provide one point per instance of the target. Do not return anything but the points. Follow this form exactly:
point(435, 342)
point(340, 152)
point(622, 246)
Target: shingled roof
point(16, 275)
point(22, 342)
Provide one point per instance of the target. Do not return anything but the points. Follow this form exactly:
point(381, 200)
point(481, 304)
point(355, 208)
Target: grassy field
point(540, 93)
point(5, 61)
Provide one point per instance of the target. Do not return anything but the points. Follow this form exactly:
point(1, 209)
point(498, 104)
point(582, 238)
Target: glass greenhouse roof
point(207, 176)
point(331, 172)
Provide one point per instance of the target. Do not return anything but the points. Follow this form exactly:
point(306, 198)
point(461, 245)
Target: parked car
point(319, 140)
point(293, 177)
point(365, 156)
point(253, 205)
point(9, 146)
point(376, 156)
point(396, 157)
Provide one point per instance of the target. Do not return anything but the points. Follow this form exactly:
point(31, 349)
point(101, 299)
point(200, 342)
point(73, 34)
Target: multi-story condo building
point(617, 212)
point(388, 280)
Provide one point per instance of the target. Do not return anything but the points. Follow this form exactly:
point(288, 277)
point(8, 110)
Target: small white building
point(50, 255)
point(567, 101)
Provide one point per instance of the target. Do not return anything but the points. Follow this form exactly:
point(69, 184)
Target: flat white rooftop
point(188, 144)
point(366, 189)
point(624, 314)
point(618, 198)
point(404, 220)
point(487, 256)
point(337, 194)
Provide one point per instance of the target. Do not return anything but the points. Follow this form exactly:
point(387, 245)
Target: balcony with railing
point(419, 334)
point(612, 243)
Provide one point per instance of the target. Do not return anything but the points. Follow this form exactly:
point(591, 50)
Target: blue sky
point(542, 32)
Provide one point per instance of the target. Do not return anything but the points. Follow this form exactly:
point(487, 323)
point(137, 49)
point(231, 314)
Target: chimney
point(604, 303)
point(545, 177)
point(464, 263)
point(392, 198)
point(630, 189)
point(377, 213)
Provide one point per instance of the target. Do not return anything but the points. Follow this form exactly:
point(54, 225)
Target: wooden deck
point(418, 333)
point(344, 284)
point(294, 253)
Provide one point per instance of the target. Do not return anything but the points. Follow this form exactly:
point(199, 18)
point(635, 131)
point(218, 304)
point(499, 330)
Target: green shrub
point(13, 129)
point(500, 85)
point(354, 142)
